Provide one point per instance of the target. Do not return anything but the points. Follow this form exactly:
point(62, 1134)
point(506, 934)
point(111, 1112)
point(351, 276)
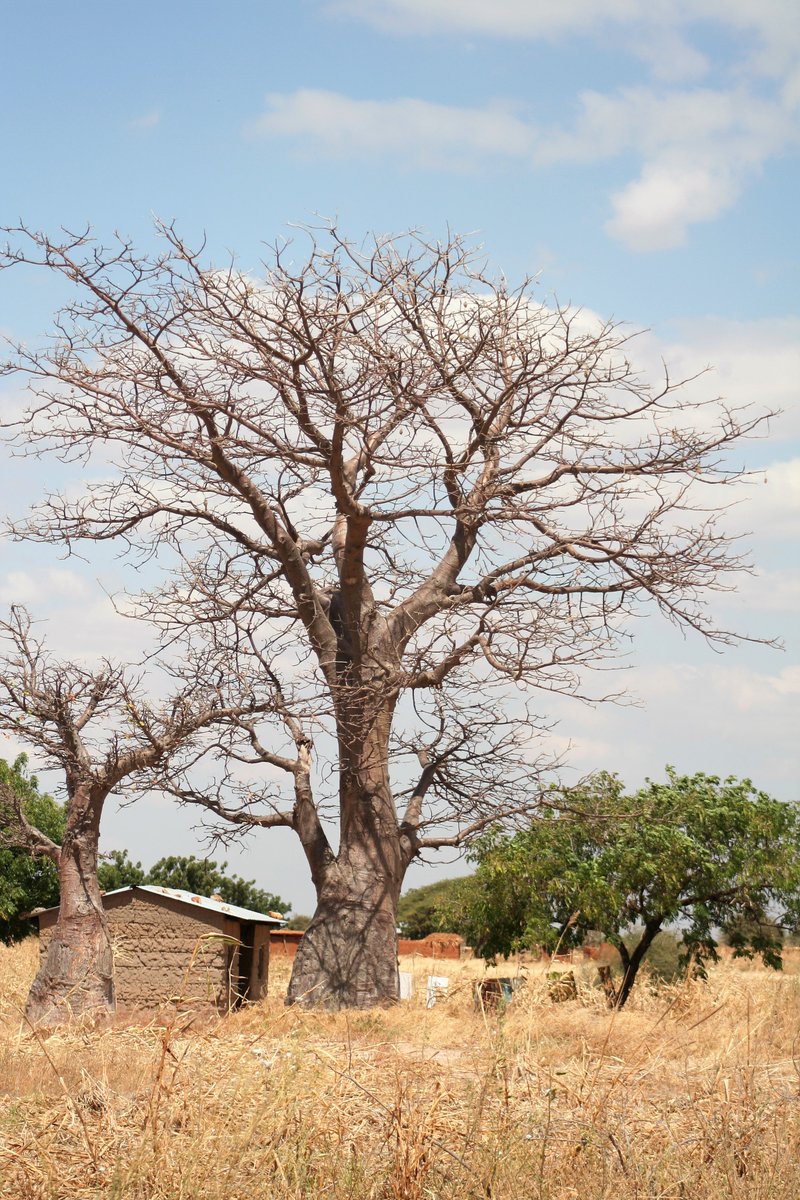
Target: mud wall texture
point(165, 953)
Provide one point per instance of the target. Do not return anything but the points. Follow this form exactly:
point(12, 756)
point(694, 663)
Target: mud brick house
point(173, 946)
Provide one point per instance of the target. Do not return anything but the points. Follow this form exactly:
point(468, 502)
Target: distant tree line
point(199, 875)
point(421, 910)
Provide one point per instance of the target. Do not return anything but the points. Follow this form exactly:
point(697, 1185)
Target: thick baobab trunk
point(76, 976)
point(347, 958)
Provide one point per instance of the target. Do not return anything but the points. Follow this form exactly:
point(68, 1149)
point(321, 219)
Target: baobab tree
point(92, 726)
point(415, 496)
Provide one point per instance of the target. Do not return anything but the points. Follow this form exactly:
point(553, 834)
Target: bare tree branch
point(401, 497)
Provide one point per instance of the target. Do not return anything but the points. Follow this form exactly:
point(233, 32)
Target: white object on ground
point(437, 987)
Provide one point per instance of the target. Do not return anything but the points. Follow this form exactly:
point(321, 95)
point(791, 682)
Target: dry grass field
point(691, 1092)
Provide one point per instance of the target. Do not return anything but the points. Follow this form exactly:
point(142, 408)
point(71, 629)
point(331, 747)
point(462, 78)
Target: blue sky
point(642, 157)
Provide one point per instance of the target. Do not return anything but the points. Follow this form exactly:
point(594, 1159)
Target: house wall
point(284, 942)
point(164, 952)
point(435, 945)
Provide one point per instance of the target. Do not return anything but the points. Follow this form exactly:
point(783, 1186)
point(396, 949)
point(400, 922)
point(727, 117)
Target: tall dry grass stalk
point(691, 1092)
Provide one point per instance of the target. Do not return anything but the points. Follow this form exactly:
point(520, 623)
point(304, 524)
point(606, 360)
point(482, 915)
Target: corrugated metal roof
point(206, 902)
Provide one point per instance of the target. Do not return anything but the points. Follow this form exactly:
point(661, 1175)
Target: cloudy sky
point(641, 157)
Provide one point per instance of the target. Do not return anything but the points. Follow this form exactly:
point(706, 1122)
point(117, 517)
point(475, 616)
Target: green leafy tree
point(299, 921)
point(698, 852)
point(743, 929)
point(207, 878)
point(420, 909)
point(28, 881)
point(117, 870)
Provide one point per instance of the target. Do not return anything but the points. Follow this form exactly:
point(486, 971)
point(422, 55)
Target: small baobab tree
point(93, 728)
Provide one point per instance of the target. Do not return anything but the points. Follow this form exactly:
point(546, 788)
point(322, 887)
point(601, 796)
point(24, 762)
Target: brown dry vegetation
point(692, 1091)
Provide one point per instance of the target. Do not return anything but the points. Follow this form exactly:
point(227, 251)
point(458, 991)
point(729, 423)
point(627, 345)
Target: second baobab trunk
point(91, 724)
point(76, 976)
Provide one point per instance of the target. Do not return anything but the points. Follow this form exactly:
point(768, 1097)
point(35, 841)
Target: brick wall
point(435, 945)
point(283, 943)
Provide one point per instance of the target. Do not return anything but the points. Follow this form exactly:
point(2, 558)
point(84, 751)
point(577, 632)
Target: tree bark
point(347, 958)
point(632, 961)
point(76, 976)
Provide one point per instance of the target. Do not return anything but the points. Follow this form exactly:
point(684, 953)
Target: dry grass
point(691, 1092)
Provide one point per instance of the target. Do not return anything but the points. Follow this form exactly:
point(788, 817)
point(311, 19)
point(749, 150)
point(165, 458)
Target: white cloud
point(698, 147)
point(770, 502)
point(751, 362)
point(70, 611)
point(504, 18)
point(658, 30)
point(413, 132)
point(654, 212)
point(90, 631)
point(19, 587)
point(756, 692)
point(753, 367)
point(146, 121)
point(721, 717)
point(771, 29)
point(655, 120)
point(671, 58)
point(772, 591)
point(64, 583)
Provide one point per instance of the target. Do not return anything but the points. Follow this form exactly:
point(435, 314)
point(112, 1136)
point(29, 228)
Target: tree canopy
point(697, 852)
point(418, 912)
point(208, 878)
point(116, 869)
point(27, 881)
point(405, 498)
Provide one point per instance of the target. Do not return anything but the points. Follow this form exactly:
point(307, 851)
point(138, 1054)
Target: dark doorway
point(247, 937)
